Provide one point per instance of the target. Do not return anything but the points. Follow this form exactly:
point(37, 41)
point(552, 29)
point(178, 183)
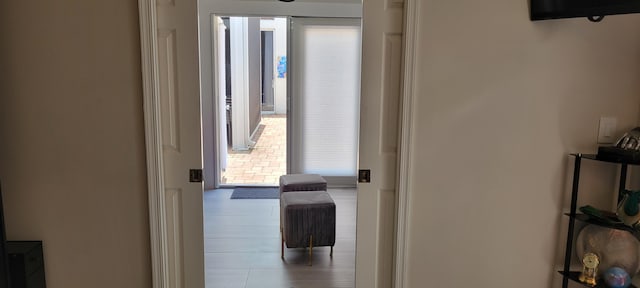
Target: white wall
point(279, 28)
point(280, 41)
point(277, 8)
point(72, 154)
point(500, 103)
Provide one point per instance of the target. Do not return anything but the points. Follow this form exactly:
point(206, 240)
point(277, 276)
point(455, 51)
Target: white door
point(381, 86)
point(181, 141)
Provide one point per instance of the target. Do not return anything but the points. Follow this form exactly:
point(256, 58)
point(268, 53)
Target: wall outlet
point(607, 130)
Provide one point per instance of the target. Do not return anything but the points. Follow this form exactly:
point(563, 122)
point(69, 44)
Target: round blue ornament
point(616, 277)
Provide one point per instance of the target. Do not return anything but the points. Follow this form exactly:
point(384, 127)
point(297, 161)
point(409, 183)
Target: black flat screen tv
point(592, 9)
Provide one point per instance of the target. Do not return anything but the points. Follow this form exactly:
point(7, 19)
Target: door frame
point(405, 147)
point(153, 143)
point(214, 64)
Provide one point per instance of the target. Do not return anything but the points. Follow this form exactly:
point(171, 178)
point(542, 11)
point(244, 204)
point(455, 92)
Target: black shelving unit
point(573, 215)
point(574, 276)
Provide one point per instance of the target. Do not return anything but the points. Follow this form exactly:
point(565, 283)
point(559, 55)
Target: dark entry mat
point(255, 193)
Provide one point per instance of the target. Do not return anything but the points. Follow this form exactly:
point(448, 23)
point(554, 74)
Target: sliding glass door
point(324, 78)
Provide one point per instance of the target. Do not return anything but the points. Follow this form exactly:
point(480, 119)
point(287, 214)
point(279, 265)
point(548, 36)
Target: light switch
point(607, 130)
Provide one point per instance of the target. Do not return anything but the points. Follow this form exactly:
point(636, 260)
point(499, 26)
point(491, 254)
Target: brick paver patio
point(266, 161)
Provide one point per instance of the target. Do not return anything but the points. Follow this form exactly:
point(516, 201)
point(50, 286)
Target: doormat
point(256, 193)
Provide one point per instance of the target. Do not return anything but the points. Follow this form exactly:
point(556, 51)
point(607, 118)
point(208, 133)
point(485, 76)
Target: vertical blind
point(329, 98)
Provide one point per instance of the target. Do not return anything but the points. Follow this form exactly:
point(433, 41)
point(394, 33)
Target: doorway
point(323, 102)
point(277, 122)
point(252, 94)
point(382, 66)
point(268, 101)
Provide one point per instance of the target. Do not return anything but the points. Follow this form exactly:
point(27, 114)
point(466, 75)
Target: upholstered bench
point(302, 182)
point(308, 219)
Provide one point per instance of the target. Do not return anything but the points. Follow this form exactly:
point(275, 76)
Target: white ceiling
point(314, 1)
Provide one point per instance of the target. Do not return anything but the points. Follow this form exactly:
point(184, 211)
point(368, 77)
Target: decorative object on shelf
point(626, 149)
point(590, 264)
point(629, 209)
point(600, 216)
point(630, 140)
point(611, 240)
point(616, 277)
point(614, 247)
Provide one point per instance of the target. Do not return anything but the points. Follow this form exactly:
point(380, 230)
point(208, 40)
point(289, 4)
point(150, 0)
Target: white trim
point(153, 136)
point(267, 24)
point(210, 107)
point(218, 80)
point(290, 70)
point(404, 167)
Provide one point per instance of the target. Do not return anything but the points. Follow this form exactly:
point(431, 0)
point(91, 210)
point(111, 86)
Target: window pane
point(330, 78)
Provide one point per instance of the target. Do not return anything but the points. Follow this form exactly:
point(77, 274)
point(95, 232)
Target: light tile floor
point(242, 245)
point(264, 163)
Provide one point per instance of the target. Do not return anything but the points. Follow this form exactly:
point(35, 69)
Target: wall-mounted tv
point(592, 9)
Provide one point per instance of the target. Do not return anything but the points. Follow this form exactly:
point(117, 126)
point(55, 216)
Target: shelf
point(574, 277)
point(609, 159)
point(618, 226)
point(605, 154)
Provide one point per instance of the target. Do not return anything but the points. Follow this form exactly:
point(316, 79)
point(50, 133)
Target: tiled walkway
point(266, 161)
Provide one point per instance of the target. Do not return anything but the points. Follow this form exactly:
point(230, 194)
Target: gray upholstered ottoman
point(308, 219)
point(302, 182)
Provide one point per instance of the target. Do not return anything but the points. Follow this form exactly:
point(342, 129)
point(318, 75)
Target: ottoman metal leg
point(281, 244)
point(331, 254)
